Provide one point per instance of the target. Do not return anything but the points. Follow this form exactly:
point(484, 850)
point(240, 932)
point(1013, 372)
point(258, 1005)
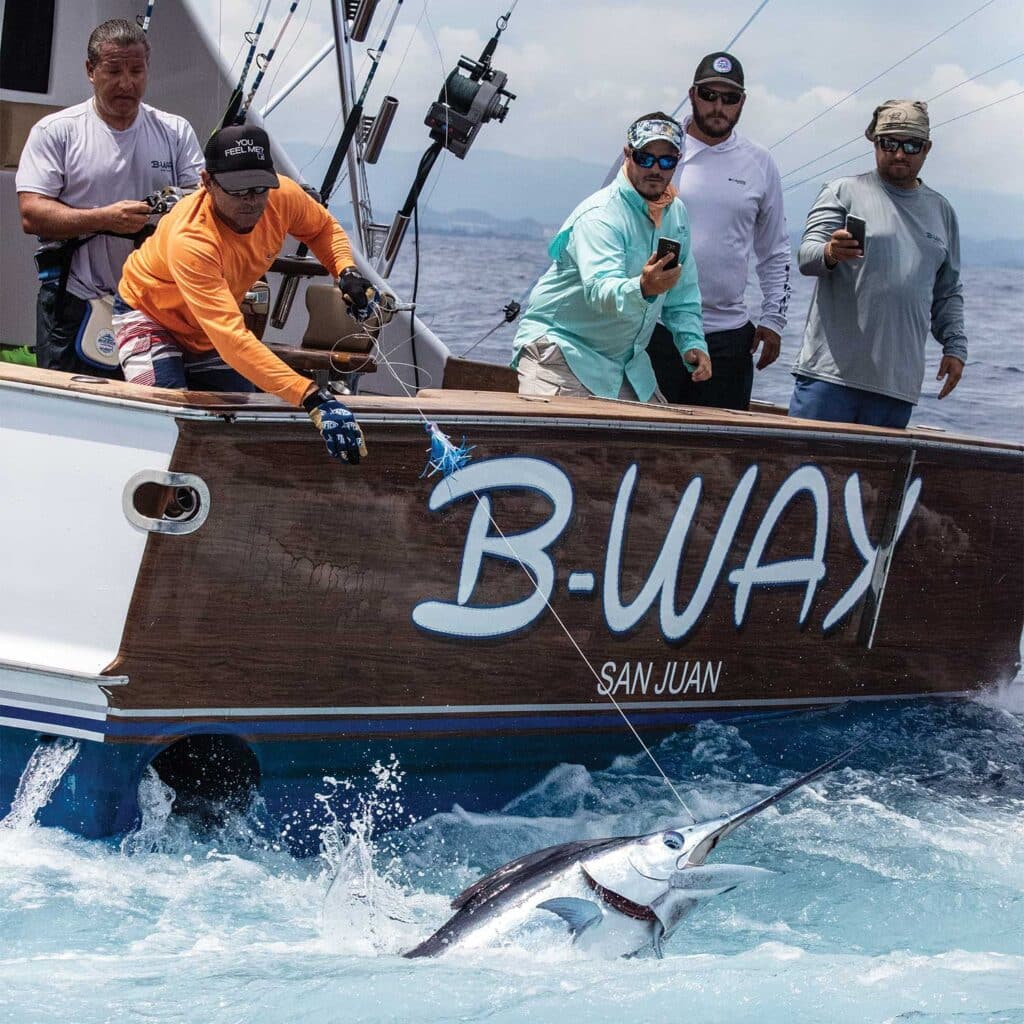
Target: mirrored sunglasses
point(909, 146)
point(648, 160)
point(241, 193)
point(730, 99)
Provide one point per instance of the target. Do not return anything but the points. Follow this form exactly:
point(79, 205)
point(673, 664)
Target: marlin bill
point(618, 896)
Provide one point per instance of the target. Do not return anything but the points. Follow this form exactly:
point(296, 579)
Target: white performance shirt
point(733, 195)
point(76, 157)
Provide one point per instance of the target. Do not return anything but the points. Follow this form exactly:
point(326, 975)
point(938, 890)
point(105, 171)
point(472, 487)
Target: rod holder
point(379, 129)
point(361, 22)
point(392, 244)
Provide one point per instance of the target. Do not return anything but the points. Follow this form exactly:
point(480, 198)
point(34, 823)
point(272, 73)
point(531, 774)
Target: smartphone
point(666, 246)
point(858, 228)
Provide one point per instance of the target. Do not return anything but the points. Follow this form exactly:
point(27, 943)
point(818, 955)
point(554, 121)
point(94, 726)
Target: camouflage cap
point(908, 118)
point(654, 129)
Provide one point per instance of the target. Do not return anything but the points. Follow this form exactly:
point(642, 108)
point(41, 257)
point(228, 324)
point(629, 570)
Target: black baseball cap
point(719, 67)
point(239, 157)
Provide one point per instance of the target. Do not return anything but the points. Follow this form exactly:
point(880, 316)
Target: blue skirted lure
point(445, 457)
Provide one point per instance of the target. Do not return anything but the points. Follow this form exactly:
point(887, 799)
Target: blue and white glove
point(362, 299)
point(337, 425)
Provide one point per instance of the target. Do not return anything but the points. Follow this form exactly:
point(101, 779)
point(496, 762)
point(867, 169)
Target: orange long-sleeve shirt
point(192, 274)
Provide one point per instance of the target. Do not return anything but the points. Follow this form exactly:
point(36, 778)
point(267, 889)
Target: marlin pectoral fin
point(578, 914)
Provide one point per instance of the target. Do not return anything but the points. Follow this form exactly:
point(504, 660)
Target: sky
point(583, 70)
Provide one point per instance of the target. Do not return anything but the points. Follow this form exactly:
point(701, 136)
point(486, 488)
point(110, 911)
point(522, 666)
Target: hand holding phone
point(858, 228)
point(666, 246)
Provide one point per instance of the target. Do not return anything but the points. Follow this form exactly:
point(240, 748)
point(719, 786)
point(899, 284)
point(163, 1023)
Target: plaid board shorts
point(150, 354)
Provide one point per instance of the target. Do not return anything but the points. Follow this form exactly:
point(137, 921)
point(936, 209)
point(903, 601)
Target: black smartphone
point(858, 228)
point(666, 246)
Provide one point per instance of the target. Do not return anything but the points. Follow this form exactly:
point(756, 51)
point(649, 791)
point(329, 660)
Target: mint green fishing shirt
point(589, 302)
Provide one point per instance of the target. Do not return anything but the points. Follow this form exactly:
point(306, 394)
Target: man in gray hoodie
point(862, 359)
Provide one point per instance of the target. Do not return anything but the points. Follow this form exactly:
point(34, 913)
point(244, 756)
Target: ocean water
point(900, 893)
point(899, 898)
point(465, 282)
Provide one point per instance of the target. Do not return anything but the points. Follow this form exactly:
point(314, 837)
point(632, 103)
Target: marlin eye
point(673, 840)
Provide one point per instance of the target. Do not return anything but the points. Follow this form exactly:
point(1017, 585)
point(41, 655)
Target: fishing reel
point(467, 102)
point(164, 199)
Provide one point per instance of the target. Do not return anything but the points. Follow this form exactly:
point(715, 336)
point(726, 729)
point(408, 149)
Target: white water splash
point(39, 781)
point(367, 909)
point(156, 801)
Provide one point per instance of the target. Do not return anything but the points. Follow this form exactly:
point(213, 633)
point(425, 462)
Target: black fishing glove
point(336, 424)
point(360, 296)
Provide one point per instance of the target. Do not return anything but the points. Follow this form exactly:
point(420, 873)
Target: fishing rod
point(263, 62)
point(253, 39)
point(286, 295)
point(143, 20)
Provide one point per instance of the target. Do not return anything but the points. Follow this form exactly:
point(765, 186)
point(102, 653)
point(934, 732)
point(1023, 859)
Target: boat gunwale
point(486, 408)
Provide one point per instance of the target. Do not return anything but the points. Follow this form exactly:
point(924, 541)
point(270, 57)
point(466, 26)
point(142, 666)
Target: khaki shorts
point(544, 372)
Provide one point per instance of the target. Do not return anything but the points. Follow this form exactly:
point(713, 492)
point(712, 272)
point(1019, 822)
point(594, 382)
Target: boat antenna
point(253, 39)
point(263, 62)
point(290, 283)
point(143, 20)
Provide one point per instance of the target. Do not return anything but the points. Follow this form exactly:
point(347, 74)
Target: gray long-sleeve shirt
point(869, 319)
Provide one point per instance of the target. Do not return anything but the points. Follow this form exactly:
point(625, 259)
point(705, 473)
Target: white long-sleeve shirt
point(733, 195)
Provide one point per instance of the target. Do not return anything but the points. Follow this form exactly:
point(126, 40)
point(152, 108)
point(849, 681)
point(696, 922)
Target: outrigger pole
point(290, 283)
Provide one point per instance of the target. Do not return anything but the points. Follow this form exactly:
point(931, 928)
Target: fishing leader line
point(458, 456)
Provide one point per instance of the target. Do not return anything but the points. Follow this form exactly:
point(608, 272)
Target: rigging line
point(880, 74)
point(408, 47)
point(565, 629)
point(930, 99)
point(728, 46)
point(295, 40)
point(862, 156)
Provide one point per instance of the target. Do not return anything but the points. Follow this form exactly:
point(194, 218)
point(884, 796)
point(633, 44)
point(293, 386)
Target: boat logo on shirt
point(739, 181)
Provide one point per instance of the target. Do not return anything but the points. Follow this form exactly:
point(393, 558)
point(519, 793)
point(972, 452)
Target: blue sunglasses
point(648, 160)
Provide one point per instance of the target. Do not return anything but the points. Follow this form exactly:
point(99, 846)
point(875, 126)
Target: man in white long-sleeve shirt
point(732, 192)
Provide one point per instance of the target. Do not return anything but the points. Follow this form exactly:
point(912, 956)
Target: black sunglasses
point(730, 99)
point(909, 146)
point(648, 160)
point(241, 193)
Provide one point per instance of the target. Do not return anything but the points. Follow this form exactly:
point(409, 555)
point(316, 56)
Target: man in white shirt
point(82, 179)
point(733, 194)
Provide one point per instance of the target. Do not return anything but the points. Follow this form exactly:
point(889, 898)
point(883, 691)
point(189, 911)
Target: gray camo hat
point(908, 118)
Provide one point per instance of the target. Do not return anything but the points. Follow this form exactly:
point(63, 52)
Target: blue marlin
point(619, 896)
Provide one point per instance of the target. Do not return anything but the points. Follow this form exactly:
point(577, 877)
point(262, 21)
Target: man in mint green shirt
point(591, 315)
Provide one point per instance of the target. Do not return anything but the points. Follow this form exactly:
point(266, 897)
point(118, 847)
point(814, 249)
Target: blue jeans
point(823, 400)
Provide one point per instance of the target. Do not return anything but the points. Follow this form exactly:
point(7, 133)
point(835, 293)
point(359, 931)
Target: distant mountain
point(521, 197)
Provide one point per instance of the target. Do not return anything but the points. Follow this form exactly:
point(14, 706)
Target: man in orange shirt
point(176, 317)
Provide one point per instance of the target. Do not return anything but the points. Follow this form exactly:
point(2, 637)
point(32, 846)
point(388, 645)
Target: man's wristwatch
point(317, 397)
